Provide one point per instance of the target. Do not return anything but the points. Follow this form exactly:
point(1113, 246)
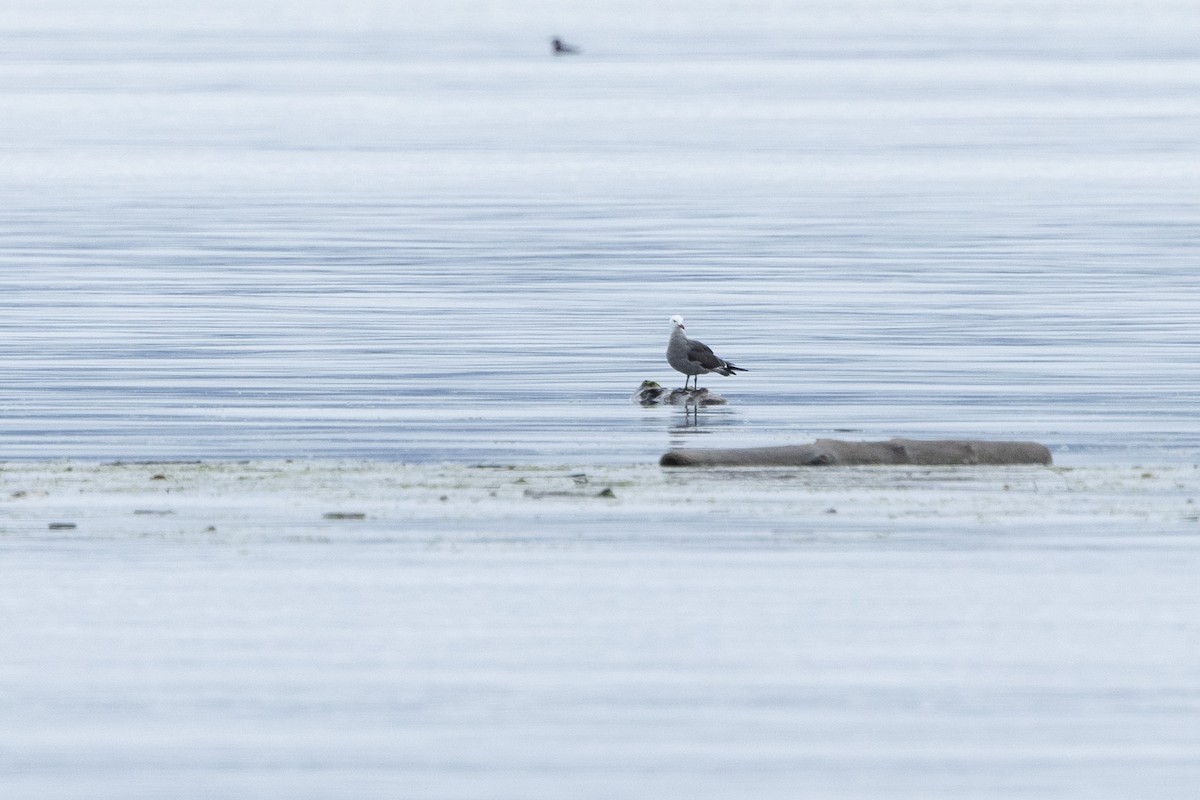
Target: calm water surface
point(417, 236)
point(405, 232)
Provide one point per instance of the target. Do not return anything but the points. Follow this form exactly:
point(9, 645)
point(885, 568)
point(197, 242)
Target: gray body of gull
point(694, 358)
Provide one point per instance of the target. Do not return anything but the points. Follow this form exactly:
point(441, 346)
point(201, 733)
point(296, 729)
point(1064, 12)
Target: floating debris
point(651, 393)
point(536, 495)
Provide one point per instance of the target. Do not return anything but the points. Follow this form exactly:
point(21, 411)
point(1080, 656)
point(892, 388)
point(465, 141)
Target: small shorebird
point(694, 358)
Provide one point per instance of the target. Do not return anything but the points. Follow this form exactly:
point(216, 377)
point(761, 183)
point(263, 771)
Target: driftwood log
point(837, 453)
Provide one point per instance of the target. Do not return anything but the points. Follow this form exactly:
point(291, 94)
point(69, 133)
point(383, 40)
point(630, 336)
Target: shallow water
point(405, 232)
point(419, 237)
point(348, 629)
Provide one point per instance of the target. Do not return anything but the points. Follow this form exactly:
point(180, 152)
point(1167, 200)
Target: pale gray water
point(506, 633)
point(405, 232)
point(290, 231)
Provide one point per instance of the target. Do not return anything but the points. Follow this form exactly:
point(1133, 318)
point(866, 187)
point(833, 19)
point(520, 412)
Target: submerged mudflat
point(303, 629)
point(402, 503)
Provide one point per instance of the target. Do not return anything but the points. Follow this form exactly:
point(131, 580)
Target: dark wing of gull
point(703, 355)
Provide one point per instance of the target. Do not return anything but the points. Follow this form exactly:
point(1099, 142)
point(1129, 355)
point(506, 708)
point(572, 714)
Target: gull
point(694, 358)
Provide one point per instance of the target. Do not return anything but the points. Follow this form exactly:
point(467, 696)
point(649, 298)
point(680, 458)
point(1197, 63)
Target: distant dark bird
point(694, 358)
point(561, 48)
